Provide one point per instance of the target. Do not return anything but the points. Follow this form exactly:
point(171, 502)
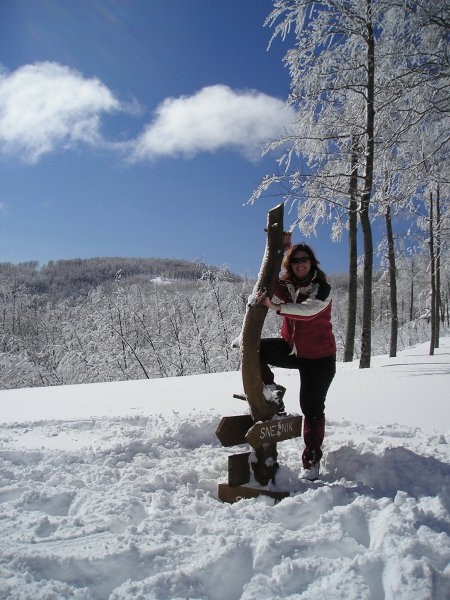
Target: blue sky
point(134, 128)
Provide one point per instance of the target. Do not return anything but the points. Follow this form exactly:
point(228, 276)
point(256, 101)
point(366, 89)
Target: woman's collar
point(306, 281)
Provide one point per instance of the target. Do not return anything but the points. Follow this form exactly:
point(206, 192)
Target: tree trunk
point(353, 256)
point(411, 293)
point(438, 270)
point(366, 334)
point(392, 284)
point(366, 330)
point(432, 279)
point(266, 464)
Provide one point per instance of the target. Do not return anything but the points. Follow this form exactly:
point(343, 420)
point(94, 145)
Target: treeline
point(159, 327)
point(70, 278)
point(120, 329)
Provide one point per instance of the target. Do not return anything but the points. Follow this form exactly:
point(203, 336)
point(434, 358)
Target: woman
point(307, 343)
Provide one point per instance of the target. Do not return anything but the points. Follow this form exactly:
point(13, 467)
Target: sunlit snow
point(110, 491)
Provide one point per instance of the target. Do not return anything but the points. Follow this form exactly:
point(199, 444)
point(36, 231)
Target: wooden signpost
point(241, 429)
point(263, 428)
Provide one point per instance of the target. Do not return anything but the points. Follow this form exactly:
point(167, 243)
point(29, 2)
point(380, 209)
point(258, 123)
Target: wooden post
point(266, 464)
point(258, 429)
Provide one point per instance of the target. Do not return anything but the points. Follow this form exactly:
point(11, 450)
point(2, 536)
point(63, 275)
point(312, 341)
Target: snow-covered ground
point(110, 491)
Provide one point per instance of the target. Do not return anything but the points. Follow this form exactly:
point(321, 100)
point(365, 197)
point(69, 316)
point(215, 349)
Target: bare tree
point(352, 257)
point(437, 309)
point(432, 276)
point(392, 284)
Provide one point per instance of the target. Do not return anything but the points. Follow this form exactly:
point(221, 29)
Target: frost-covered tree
point(371, 70)
point(333, 92)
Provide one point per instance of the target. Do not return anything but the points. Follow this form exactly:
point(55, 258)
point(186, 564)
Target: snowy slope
point(110, 491)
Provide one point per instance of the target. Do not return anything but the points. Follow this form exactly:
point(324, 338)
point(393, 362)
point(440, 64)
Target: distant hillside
point(64, 278)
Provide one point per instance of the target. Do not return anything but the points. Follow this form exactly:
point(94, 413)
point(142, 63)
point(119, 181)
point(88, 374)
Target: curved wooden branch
point(256, 314)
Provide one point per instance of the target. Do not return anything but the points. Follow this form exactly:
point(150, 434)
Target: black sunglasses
point(301, 259)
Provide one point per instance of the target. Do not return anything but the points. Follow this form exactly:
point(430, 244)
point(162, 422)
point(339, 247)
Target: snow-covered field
point(110, 491)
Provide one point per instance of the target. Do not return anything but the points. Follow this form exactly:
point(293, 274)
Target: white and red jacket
point(306, 313)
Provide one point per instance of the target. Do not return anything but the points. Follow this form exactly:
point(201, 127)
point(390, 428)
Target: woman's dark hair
point(289, 274)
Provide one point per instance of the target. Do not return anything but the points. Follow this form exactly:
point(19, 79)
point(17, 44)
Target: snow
point(110, 491)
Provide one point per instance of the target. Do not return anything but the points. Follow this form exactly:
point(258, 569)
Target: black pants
point(316, 374)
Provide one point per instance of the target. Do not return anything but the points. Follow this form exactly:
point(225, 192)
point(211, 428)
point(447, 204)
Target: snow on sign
point(283, 428)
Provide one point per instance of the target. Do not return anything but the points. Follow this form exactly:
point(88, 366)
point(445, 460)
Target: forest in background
point(112, 319)
point(367, 151)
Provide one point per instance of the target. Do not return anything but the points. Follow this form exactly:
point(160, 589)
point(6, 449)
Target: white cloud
point(45, 105)
point(215, 117)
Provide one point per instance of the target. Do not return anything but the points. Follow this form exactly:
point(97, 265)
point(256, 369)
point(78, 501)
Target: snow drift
point(110, 491)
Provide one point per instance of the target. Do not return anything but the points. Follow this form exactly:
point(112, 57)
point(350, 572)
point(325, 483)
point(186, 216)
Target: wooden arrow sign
point(232, 430)
point(276, 430)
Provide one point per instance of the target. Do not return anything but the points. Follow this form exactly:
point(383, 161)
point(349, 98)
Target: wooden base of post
point(238, 469)
point(233, 494)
